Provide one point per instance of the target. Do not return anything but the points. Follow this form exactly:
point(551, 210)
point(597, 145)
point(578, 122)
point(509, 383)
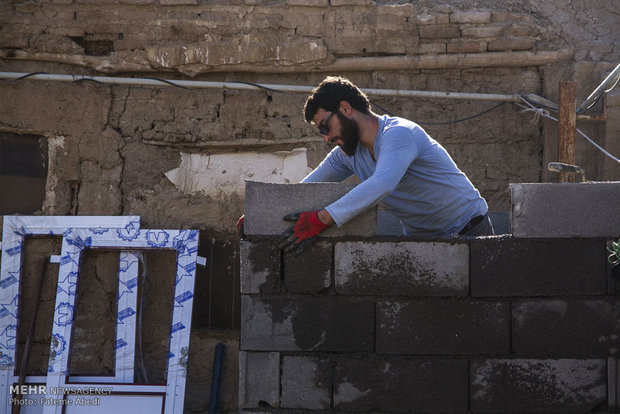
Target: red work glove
point(240, 225)
point(306, 229)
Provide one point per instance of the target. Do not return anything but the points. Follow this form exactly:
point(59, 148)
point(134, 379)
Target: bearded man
point(398, 163)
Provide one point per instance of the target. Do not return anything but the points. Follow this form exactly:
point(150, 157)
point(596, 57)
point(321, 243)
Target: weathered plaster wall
point(114, 145)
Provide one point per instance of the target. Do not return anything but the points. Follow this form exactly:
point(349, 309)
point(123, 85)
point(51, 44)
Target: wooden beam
point(567, 118)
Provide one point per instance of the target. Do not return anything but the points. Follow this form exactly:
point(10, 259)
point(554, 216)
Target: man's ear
point(346, 108)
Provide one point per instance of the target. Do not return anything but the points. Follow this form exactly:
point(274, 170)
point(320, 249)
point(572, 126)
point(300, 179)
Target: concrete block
point(259, 268)
point(401, 385)
point(306, 382)
point(613, 273)
point(538, 385)
point(259, 379)
point(405, 268)
point(310, 272)
point(613, 384)
point(266, 204)
point(566, 209)
point(442, 327)
point(504, 266)
point(307, 324)
point(564, 328)
point(470, 17)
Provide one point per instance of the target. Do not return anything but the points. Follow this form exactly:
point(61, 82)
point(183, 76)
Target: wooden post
point(567, 119)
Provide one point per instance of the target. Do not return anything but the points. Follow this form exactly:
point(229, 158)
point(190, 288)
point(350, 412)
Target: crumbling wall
point(133, 136)
point(380, 324)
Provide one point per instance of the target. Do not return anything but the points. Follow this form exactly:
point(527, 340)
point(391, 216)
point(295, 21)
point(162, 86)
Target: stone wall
point(383, 324)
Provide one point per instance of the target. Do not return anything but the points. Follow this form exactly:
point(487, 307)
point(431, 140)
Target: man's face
point(342, 131)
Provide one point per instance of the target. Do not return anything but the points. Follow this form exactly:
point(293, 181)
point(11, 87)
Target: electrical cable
point(546, 114)
point(446, 122)
point(169, 82)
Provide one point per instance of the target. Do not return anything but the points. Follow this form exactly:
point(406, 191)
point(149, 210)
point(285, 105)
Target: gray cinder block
point(259, 379)
point(443, 327)
point(507, 266)
point(307, 323)
point(259, 267)
point(538, 385)
point(405, 268)
point(401, 385)
point(266, 204)
point(560, 327)
point(566, 210)
point(306, 382)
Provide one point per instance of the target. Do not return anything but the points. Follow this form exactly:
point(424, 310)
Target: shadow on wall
point(389, 225)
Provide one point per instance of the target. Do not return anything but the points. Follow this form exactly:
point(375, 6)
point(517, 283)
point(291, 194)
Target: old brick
point(313, 3)
point(467, 46)
point(443, 327)
point(309, 272)
point(259, 379)
point(537, 267)
point(470, 17)
point(405, 268)
point(511, 43)
point(306, 382)
point(431, 48)
point(306, 323)
point(350, 2)
point(401, 385)
point(259, 268)
point(481, 31)
point(538, 385)
point(565, 328)
point(434, 18)
point(439, 31)
point(28, 7)
point(178, 2)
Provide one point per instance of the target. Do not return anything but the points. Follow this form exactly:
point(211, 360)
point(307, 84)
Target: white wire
point(543, 112)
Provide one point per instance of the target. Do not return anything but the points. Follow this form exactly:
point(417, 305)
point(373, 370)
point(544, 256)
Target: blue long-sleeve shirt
point(413, 175)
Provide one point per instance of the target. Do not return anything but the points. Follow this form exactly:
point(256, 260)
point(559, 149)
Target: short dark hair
point(330, 92)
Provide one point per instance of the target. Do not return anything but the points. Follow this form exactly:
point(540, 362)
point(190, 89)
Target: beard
point(349, 134)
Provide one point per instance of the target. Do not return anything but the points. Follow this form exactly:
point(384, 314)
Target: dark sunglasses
point(324, 126)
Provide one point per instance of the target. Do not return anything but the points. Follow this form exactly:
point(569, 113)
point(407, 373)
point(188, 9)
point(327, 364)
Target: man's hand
point(308, 226)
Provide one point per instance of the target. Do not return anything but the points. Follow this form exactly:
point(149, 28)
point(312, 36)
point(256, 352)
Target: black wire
point(284, 92)
point(447, 122)
point(29, 75)
point(88, 80)
point(171, 83)
point(257, 85)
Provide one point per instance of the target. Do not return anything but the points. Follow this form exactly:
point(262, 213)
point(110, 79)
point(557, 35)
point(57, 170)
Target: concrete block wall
point(488, 325)
point(384, 324)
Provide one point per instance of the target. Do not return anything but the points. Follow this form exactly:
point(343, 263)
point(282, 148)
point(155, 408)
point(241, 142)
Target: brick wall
point(385, 324)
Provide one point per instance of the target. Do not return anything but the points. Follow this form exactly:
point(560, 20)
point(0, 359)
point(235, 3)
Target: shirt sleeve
point(398, 149)
point(332, 169)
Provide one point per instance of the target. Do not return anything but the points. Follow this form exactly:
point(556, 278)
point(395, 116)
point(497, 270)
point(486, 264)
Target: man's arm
point(397, 152)
point(332, 169)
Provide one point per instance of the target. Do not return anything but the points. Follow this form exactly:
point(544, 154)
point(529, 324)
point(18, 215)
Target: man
point(398, 163)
